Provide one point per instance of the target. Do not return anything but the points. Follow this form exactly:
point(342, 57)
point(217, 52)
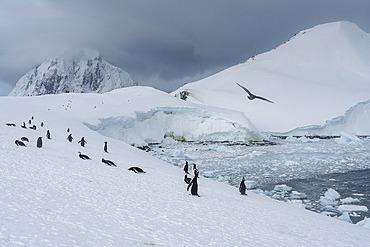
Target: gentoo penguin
point(10, 124)
point(186, 167)
point(29, 121)
point(193, 185)
point(24, 125)
point(68, 130)
point(83, 156)
point(70, 138)
point(42, 124)
point(195, 170)
point(108, 162)
point(136, 169)
point(252, 96)
point(106, 147)
point(39, 142)
point(186, 179)
point(19, 143)
point(242, 187)
point(33, 127)
point(48, 134)
point(25, 139)
point(82, 141)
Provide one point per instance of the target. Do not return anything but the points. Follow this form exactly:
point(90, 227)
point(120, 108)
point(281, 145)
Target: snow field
point(50, 197)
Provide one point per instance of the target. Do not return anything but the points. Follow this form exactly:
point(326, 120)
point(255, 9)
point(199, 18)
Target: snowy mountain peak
point(315, 76)
point(80, 71)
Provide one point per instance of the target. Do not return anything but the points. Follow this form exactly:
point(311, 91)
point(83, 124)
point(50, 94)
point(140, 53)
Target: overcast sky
point(161, 43)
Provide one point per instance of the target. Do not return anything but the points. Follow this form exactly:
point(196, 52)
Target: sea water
point(308, 167)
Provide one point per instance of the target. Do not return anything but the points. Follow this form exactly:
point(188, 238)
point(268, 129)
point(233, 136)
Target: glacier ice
point(178, 123)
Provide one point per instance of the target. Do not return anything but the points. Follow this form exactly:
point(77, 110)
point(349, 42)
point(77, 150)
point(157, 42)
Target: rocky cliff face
point(81, 71)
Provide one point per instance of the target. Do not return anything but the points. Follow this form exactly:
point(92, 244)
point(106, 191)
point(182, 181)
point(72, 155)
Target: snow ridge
point(315, 76)
point(80, 71)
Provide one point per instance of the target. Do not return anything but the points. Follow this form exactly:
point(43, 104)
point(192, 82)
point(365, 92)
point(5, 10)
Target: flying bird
point(252, 96)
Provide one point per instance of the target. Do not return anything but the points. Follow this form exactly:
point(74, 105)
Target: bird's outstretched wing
point(258, 97)
point(244, 89)
point(252, 96)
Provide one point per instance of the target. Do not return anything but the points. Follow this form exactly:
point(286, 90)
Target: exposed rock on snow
point(82, 71)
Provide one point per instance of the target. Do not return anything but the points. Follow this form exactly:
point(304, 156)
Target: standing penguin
point(106, 147)
point(83, 142)
point(39, 142)
point(193, 185)
point(242, 187)
point(42, 124)
point(68, 130)
point(70, 138)
point(195, 170)
point(48, 134)
point(186, 167)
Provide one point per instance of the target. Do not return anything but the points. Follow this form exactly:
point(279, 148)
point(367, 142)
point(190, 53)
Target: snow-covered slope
point(81, 71)
point(355, 120)
point(138, 115)
point(314, 77)
point(51, 197)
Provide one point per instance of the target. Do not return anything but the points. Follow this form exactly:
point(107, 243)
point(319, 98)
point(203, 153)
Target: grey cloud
point(162, 43)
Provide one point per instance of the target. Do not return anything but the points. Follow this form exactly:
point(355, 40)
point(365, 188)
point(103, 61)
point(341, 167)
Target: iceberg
point(345, 217)
point(346, 138)
point(178, 123)
point(330, 198)
point(295, 195)
point(352, 208)
point(282, 188)
point(327, 202)
point(250, 185)
point(349, 200)
point(332, 194)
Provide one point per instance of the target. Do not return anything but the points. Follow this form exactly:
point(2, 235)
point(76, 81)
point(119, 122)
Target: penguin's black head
point(102, 159)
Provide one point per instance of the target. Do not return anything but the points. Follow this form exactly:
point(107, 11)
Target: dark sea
point(355, 184)
point(310, 168)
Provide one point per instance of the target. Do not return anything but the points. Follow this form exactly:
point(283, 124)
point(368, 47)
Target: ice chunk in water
point(295, 195)
point(345, 217)
point(282, 188)
point(352, 208)
point(332, 194)
point(346, 138)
